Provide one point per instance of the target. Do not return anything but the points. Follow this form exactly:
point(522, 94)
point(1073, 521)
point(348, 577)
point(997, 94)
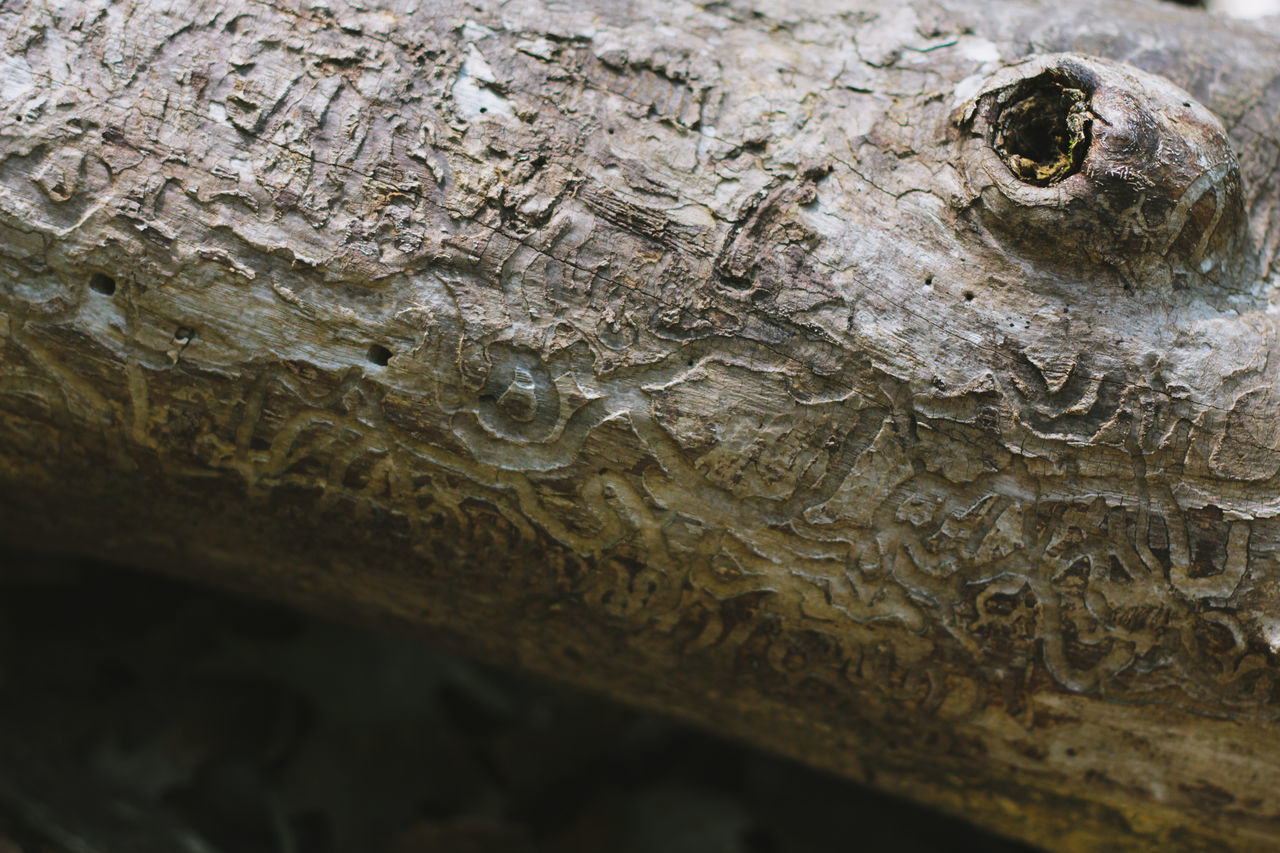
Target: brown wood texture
point(889, 386)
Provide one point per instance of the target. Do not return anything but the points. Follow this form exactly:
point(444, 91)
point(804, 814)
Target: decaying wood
point(888, 386)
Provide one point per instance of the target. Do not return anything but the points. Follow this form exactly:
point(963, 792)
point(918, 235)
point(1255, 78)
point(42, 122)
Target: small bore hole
point(928, 282)
point(379, 355)
point(1043, 134)
point(102, 283)
point(968, 296)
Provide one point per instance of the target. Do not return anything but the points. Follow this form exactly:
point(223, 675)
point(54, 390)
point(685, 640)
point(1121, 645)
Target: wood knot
point(1075, 160)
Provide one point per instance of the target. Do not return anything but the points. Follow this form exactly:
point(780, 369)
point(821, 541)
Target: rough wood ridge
point(889, 385)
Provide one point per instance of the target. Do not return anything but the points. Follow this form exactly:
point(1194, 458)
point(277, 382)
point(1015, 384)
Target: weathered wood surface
point(725, 357)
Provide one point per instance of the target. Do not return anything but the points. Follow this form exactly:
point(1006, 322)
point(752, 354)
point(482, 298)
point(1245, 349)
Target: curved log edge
point(890, 388)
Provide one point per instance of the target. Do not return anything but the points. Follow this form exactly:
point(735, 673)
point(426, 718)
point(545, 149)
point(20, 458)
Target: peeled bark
point(890, 388)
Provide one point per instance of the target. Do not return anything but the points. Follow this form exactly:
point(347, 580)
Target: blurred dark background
point(140, 714)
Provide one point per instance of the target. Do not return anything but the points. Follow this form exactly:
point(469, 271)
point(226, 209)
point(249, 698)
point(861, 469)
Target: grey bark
point(888, 386)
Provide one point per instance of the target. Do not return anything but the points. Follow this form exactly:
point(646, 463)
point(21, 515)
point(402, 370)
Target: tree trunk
point(889, 387)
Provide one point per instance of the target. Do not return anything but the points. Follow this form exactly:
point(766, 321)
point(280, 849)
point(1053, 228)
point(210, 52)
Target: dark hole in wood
point(379, 355)
point(102, 283)
point(1043, 134)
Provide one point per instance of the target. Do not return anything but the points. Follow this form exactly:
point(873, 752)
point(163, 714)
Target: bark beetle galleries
point(1074, 159)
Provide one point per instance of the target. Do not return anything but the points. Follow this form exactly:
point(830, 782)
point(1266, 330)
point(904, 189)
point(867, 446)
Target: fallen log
point(890, 388)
